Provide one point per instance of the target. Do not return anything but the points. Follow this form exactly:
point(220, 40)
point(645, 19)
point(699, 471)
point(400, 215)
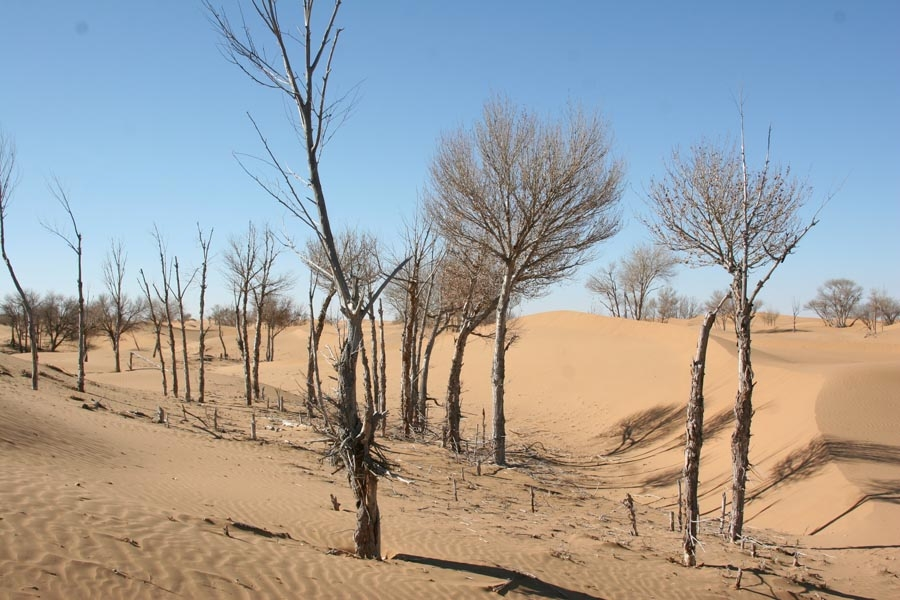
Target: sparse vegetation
point(836, 302)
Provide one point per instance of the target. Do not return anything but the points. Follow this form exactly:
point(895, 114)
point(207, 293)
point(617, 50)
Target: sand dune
point(101, 501)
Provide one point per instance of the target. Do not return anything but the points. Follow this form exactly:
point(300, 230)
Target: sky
point(133, 109)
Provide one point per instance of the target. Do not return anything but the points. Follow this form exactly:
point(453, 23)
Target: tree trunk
point(313, 385)
point(347, 373)
point(257, 343)
point(32, 333)
point(382, 377)
point(407, 407)
point(359, 437)
point(743, 413)
point(115, 345)
point(436, 330)
point(174, 365)
point(368, 517)
point(184, 354)
point(201, 374)
point(184, 349)
point(373, 332)
point(454, 389)
point(82, 325)
point(222, 341)
point(311, 366)
point(162, 361)
point(498, 371)
point(694, 442)
point(245, 347)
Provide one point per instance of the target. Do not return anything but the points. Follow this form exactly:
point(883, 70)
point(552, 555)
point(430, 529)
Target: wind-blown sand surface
point(102, 502)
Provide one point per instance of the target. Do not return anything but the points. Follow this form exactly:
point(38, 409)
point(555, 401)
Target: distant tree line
point(635, 287)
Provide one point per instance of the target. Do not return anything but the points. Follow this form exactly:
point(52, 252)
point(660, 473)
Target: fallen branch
point(203, 424)
point(260, 531)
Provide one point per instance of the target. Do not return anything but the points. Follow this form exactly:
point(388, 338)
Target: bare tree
point(795, 312)
point(165, 300)
point(353, 435)
point(726, 312)
point(605, 284)
point(157, 313)
point(242, 265)
point(885, 306)
point(8, 182)
point(279, 313)
point(179, 293)
point(223, 315)
point(663, 306)
point(836, 301)
point(117, 314)
point(204, 240)
point(711, 208)
point(537, 196)
point(625, 288)
point(410, 294)
point(57, 319)
point(16, 316)
point(669, 304)
point(74, 242)
point(263, 286)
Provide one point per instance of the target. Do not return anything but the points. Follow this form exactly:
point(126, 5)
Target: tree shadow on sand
point(645, 427)
point(509, 579)
point(759, 581)
point(807, 461)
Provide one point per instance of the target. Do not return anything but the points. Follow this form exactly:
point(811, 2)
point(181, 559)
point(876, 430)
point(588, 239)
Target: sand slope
point(105, 502)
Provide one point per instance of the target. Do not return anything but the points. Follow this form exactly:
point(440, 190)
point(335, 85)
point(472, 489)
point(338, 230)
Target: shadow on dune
point(509, 579)
point(807, 461)
point(645, 427)
point(663, 478)
point(713, 426)
point(759, 581)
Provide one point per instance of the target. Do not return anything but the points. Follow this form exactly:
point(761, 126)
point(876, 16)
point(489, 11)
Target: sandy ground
point(97, 500)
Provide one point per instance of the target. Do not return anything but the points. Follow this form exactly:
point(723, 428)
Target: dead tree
point(538, 196)
point(74, 242)
point(382, 365)
point(316, 327)
point(57, 319)
point(624, 288)
point(263, 286)
point(222, 315)
point(205, 241)
point(694, 441)
point(156, 319)
point(353, 434)
point(242, 265)
point(711, 208)
point(8, 177)
point(116, 313)
point(279, 313)
point(180, 292)
point(410, 295)
point(164, 297)
point(357, 252)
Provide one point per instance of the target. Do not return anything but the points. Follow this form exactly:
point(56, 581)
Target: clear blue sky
point(133, 108)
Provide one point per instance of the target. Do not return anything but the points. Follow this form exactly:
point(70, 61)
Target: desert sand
point(98, 501)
